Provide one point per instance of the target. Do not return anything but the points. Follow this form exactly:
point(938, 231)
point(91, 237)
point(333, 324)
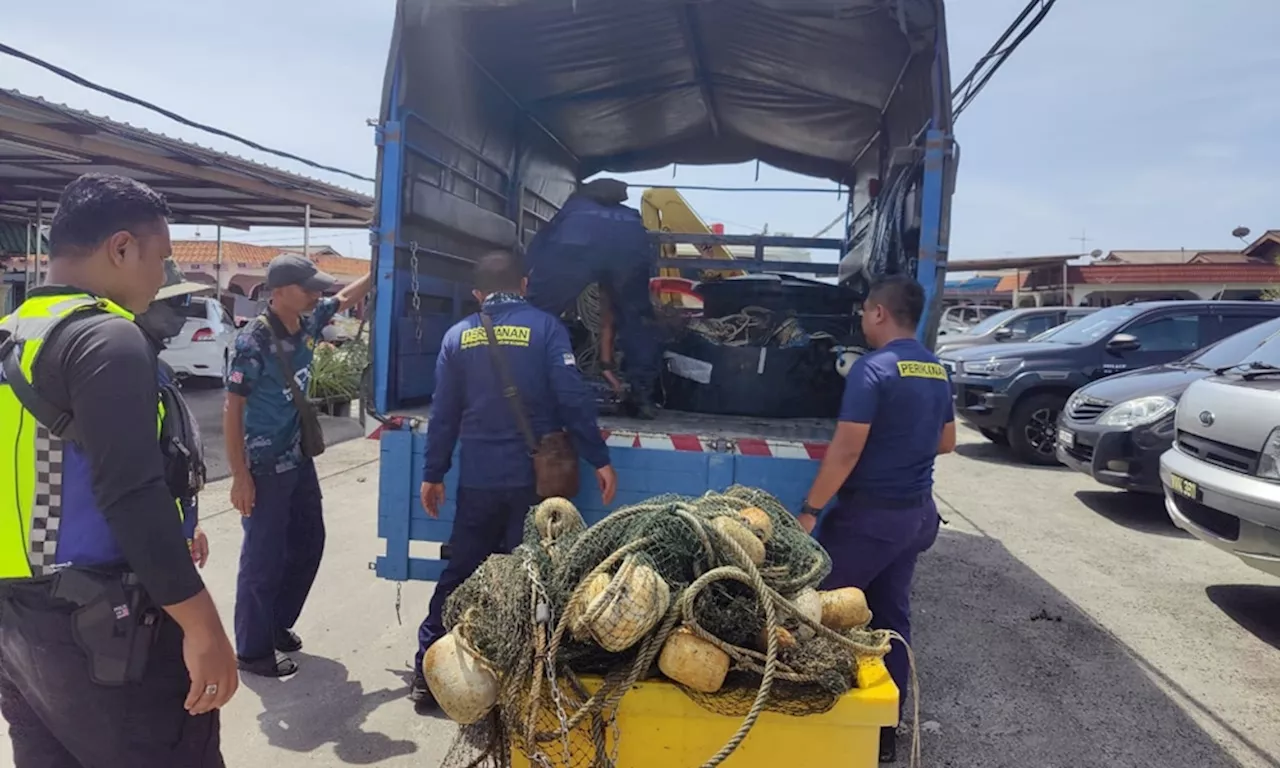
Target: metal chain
point(417, 291)
point(546, 620)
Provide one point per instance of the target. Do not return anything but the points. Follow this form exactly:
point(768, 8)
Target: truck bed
point(702, 425)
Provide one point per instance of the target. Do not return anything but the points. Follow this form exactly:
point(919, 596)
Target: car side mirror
point(1123, 342)
point(1004, 334)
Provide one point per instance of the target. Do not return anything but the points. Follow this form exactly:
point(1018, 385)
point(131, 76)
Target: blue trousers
point(279, 559)
point(874, 544)
point(487, 522)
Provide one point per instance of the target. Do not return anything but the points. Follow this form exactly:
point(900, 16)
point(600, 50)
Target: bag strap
point(278, 332)
point(509, 390)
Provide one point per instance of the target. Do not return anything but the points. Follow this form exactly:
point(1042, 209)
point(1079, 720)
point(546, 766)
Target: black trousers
point(59, 718)
point(488, 521)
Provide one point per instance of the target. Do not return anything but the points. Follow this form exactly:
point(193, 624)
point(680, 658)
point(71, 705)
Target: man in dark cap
point(274, 483)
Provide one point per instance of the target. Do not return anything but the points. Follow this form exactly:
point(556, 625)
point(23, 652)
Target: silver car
point(1222, 476)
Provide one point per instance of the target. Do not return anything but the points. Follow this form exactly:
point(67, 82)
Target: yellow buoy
point(463, 687)
point(845, 608)
point(737, 530)
point(629, 608)
point(759, 521)
point(693, 662)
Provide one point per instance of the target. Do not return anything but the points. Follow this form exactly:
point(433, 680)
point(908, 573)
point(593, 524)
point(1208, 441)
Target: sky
point(1142, 124)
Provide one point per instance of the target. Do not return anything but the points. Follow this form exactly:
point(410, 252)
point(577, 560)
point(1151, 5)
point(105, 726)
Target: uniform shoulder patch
point(569, 359)
point(921, 370)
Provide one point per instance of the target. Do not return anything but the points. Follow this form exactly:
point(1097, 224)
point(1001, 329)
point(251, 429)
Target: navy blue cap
point(296, 269)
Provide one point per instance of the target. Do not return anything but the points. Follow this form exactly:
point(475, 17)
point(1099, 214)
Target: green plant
point(336, 371)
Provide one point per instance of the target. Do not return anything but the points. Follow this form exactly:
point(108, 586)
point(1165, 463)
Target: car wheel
point(1033, 429)
point(997, 436)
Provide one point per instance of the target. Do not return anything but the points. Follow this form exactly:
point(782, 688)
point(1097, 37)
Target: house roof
point(43, 146)
point(1179, 256)
point(1253, 273)
point(257, 256)
point(1018, 262)
point(1007, 283)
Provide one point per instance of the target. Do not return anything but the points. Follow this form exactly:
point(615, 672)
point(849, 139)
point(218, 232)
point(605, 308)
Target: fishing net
point(576, 616)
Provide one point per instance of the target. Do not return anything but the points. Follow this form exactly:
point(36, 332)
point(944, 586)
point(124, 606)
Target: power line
point(73, 77)
point(989, 64)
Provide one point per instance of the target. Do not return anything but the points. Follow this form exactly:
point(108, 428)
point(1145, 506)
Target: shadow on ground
point(1137, 511)
point(1013, 674)
point(1254, 607)
point(322, 705)
point(1000, 454)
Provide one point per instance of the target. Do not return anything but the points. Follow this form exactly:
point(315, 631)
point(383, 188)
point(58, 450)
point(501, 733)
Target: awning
point(44, 145)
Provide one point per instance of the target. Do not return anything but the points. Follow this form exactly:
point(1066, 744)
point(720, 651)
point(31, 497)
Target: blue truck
point(493, 112)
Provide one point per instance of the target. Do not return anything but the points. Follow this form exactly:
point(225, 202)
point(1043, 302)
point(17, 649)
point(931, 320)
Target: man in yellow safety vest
point(111, 650)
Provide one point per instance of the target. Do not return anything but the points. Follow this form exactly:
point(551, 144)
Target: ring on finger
point(211, 689)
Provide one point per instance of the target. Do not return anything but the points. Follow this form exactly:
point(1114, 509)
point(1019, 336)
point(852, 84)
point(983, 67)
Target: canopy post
point(39, 232)
point(218, 267)
point(306, 231)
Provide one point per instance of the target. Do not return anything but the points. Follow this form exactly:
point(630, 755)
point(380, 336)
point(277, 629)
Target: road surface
point(1058, 625)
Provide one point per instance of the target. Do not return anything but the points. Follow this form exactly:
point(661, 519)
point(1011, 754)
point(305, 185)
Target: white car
point(203, 348)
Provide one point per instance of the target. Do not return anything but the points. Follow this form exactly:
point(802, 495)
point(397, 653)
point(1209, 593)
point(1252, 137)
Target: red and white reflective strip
point(657, 441)
point(741, 446)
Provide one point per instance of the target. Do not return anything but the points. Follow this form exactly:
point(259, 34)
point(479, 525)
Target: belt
point(865, 499)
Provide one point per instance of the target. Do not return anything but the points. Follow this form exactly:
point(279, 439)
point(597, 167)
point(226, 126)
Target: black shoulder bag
point(309, 421)
point(555, 462)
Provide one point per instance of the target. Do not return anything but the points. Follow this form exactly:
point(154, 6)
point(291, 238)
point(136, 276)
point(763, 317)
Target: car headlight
point(1137, 412)
point(997, 367)
point(1269, 459)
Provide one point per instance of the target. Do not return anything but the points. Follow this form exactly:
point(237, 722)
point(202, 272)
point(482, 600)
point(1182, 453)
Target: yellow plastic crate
point(660, 726)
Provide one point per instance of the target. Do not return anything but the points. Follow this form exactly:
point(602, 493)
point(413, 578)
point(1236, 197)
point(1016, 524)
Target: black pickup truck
point(1013, 393)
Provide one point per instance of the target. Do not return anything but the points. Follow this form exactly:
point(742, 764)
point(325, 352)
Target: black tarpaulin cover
point(628, 85)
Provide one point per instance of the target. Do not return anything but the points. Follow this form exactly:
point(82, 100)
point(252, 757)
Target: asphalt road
point(1057, 625)
point(205, 401)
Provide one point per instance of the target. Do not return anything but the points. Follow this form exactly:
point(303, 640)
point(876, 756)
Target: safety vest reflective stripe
point(29, 450)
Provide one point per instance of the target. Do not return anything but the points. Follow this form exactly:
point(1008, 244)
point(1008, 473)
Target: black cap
point(296, 269)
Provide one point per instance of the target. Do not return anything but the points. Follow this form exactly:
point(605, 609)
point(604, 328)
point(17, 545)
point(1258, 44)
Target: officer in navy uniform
point(895, 419)
point(496, 485)
point(595, 238)
point(111, 650)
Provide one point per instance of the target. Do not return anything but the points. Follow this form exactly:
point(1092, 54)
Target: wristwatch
point(806, 509)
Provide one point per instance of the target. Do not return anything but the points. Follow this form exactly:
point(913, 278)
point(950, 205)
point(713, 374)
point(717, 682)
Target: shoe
point(642, 406)
point(888, 745)
point(288, 641)
point(276, 665)
point(420, 695)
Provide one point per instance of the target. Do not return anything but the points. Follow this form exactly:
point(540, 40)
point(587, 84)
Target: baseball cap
point(176, 283)
point(296, 269)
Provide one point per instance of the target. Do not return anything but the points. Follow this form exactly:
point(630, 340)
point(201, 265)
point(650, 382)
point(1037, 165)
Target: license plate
point(1184, 487)
point(1067, 438)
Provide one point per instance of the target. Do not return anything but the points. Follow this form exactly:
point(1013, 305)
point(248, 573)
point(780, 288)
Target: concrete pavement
point(1057, 624)
point(205, 398)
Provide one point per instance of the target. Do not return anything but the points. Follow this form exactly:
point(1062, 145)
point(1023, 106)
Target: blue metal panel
point(937, 145)
point(394, 493)
point(787, 479)
point(642, 474)
point(390, 137)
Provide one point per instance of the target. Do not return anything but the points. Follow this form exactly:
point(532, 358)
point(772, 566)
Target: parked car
point(1221, 478)
point(956, 320)
point(1012, 325)
point(203, 347)
point(1116, 429)
point(1014, 392)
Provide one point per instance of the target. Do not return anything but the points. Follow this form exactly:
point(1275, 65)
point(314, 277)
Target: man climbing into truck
point(595, 238)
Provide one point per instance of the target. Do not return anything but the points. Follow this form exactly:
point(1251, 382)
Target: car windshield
point(1089, 329)
point(990, 324)
point(1235, 348)
point(1044, 335)
point(1262, 356)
